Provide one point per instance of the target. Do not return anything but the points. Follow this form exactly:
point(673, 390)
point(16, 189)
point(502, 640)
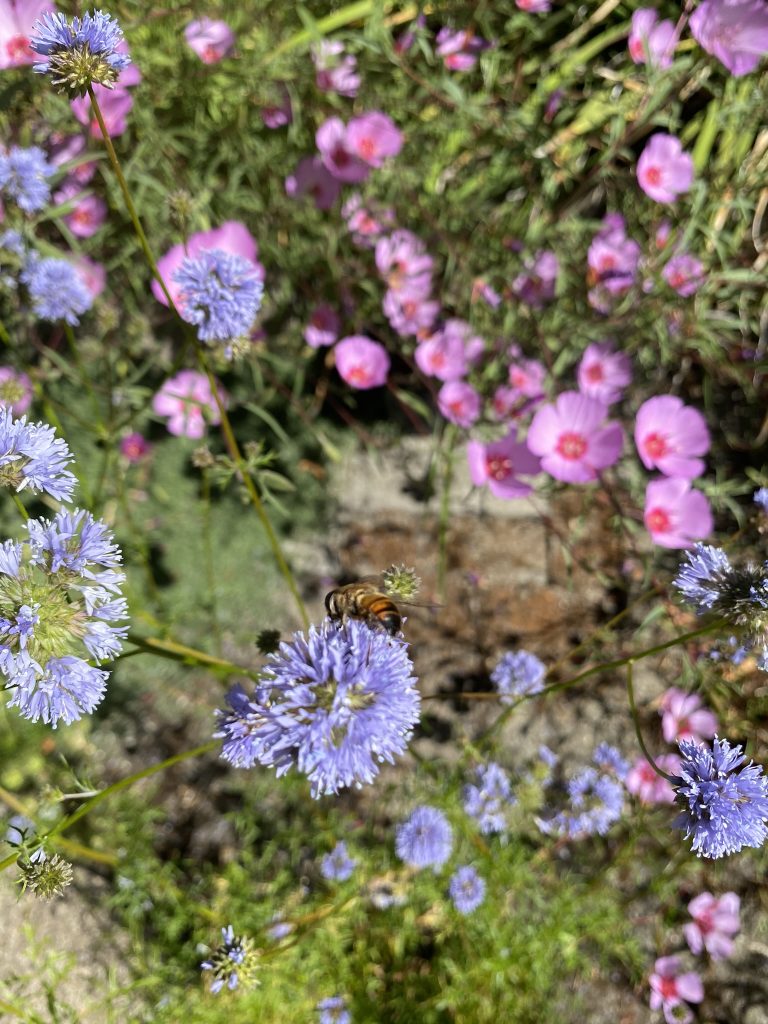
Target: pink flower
point(211, 40)
point(362, 363)
point(402, 261)
point(92, 274)
point(336, 154)
point(675, 515)
point(664, 171)
point(651, 40)
point(187, 401)
point(459, 403)
point(366, 225)
point(714, 922)
point(650, 788)
point(459, 48)
point(410, 314)
point(683, 717)
point(334, 75)
point(537, 285)
point(134, 447)
point(684, 273)
point(500, 464)
point(279, 115)
point(534, 6)
point(669, 434)
point(613, 260)
point(87, 216)
point(527, 377)
point(508, 403)
point(233, 237)
point(374, 137)
point(603, 373)
point(312, 177)
point(323, 326)
point(482, 290)
point(669, 987)
point(15, 390)
point(115, 107)
point(734, 31)
point(16, 21)
point(571, 437)
point(449, 353)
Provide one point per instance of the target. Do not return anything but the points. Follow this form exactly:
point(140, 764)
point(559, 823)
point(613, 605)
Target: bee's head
point(330, 604)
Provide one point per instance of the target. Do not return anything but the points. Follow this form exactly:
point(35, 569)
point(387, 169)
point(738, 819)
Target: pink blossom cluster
point(335, 70)
point(459, 48)
point(211, 39)
point(366, 222)
point(188, 403)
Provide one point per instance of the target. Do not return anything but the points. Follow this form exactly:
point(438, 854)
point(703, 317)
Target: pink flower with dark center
point(650, 788)
point(734, 31)
point(410, 314)
point(459, 48)
point(527, 377)
point(15, 390)
point(374, 137)
point(669, 435)
point(134, 447)
point(92, 274)
point(573, 440)
point(651, 40)
point(336, 154)
point(459, 403)
point(536, 285)
point(115, 107)
point(87, 216)
point(613, 260)
point(312, 178)
point(404, 264)
point(211, 40)
point(714, 922)
point(604, 373)
point(675, 515)
point(333, 74)
point(670, 987)
point(367, 224)
point(16, 20)
point(684, 718)
point(500, 464)
point(664, 171)
point(361, 362)
point(449, 354)
point(280, 114)
point(684, 273)
point(534, 6)
point(188, 402)
point(508, 403)
point(323, 326)
point(232, 237)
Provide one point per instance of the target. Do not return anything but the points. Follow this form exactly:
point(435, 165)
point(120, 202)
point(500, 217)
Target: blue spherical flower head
point(24, 177)
point(234, 963)
point(32, 458)
point(596, 801)
point(79, 53)
point(59, 608)
point(760, 498)
point(336, 703)
point(489, 799)
point(725, 809)
point(56, 289)
point(608, 759)
point(467, 890)
point(337, 866)
point(518, 674)
point(221, 294)
point(333, 1010)
point(425, 840)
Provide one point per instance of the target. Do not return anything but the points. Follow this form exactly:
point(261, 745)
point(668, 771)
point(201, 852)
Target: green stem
point(445, 509)
point(638, 731)
point(20, 506)
point(116, 787)
point(188, 655)
point(210, 578)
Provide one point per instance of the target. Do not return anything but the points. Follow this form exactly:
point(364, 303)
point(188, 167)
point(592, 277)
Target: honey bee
point(365, 601)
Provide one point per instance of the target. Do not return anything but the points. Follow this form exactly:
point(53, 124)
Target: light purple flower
point(323, 326)
point(534, 6)
point(313, 177)
point(536, 285)
point(518, 674)
point(670, 435)
point(365, 224)
point(649, 787)
point(337, 866)
point(527, 377)
point(482, 290)
point(425, 839)
point(403, 262)
point(500, 464)
point(15, 390)
point(573, 440)
point(459, 403)
point(604, 373)
point(336, 154)
point(651, 40)
point(280, 114)
point(210, 39)
point(449, 354)
point(613, 260)
point(714, 922)
point(335, 71)
point(670, 987)
point(467, 889)
point(684, 273)
point(459, 48)
point(734, 31)
point(410, 314)
point(684, 718)
point(675, 515)
point(664, 171)
point(134, 447)
point(361, 362)
point(16, 20)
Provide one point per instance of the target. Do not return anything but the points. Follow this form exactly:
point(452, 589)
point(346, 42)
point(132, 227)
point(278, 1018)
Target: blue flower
point(336, 703)
point(518, 674)
point(79, 53)
point(13, 241)
point(32, 457)
point(234, 963)
point(425, 839)
point(760, 498)
point(220, 293)
point(333, 1010)
point(488, 801)
point(56, 289)
point(467, 890)
point(725, 809)
point(608, 759)
point(59, 606)
point(337, 866)
point(596, 801)
point(24, 177)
